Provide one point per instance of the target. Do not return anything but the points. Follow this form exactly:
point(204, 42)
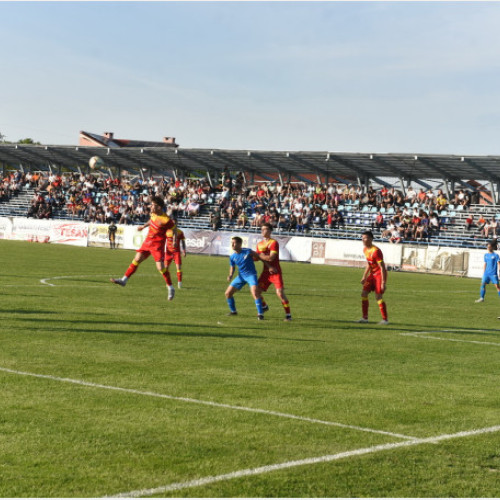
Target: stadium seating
point(358, 214)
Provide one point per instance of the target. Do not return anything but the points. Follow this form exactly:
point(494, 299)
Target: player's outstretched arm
point(144, 226)
point(231, 273)
point(257, 256)
point(183, 247)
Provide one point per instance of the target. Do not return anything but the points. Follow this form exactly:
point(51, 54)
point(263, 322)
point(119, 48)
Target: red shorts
point(373, 283)
point(175, 256)
point(266, 278)
point(154, 248)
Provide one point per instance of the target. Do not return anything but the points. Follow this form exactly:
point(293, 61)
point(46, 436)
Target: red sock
point(132, 268)
point(166, 276)
point(286, 307)
point(179, 276)
point(264, 304)
point(364, 306)
point(383, 309)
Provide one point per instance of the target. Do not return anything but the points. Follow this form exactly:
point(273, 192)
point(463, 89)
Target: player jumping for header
point(154, 245)
point(243, 259)
point(374, 278)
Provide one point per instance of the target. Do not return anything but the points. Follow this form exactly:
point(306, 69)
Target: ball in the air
point(96, 162)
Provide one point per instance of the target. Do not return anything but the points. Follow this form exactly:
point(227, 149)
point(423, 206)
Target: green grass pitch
point(105, 390)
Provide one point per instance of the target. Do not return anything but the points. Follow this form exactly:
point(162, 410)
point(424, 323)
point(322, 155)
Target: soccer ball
point(96, 162)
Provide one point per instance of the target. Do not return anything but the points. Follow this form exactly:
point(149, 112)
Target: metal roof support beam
point(397, 172)
point(240, 165)
point(204, 164)
point(357, 170)
point(310, 166)
point(64, 155)
point(446, 188)
point(209, 177)
point(424, 184)
point(494, 194)
point(159, 158)
point(488, 175)
point(401, 179)
point(275, 167)
point(444, 173)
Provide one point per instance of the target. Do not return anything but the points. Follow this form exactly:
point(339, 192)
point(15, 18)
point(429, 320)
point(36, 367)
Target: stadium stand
point(400, 197)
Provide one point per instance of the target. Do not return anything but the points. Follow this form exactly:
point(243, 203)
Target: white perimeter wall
point(407, 257)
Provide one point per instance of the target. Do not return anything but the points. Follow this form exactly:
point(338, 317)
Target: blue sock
point(232, 304)
point(483, 291)
point(258, 304)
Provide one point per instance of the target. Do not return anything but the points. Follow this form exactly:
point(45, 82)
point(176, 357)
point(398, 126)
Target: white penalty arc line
point(206, 403)
point(297, 463)
point(45, 281)
point(425, 335)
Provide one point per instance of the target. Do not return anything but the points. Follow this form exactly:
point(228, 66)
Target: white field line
point(297, 463)
point(206, 403)
point(45, 281)
point(425, 335)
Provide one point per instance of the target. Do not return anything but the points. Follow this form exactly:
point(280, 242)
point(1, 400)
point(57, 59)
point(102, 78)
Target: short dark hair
point(238, 239)
point(159, 201)
point(368, 233)
point(268, 225)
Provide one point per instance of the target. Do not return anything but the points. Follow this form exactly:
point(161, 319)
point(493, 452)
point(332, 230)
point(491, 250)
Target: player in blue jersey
point(243, 259)
point(490, 273)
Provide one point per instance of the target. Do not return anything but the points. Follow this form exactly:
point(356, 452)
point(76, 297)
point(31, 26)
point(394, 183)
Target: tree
point(28, 140)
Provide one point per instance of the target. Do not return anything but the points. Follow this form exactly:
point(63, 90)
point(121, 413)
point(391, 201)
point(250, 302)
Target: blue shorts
point(240, 281)
point(490, 278)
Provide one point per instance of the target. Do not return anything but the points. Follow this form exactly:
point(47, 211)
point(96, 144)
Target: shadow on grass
point(24, 311)
point(146, 332)
point(317, 323)
point(71, 328)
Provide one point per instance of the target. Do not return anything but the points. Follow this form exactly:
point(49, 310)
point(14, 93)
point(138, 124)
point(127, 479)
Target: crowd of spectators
point(11, 185)
point(299, 207)
point(96, 198)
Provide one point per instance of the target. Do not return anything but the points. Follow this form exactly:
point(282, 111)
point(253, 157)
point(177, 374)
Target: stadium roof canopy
point(270, 165)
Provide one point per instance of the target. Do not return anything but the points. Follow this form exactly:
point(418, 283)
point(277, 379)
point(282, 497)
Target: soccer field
point(109, 391)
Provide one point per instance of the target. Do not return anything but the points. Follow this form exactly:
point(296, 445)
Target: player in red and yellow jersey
point(268, 250)
point(154, 244)
point(173, 251)
point(374, 278)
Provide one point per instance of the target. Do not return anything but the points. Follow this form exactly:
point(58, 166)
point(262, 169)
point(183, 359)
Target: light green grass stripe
point(206, 403)
point(297, 463)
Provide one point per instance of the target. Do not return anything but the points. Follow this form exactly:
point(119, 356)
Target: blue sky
point(325, 76)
